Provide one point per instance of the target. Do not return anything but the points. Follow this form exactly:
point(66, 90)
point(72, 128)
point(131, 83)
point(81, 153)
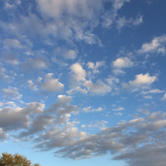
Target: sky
point(83, 82)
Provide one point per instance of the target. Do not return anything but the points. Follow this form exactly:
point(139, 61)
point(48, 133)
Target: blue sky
point(83, 82)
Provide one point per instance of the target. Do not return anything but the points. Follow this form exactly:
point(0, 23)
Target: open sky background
point(83, 82)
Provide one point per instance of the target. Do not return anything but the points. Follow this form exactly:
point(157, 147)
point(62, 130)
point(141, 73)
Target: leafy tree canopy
point(15, 160)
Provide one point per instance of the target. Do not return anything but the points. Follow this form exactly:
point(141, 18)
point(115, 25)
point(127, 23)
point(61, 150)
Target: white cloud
point(11, 103)
point(78, 72)
point(120, 63)
point(10, 58)
point(65, 53)
point(97, 109)
point(51, 84)
point(138, 20)
point(141, 81)
point(153, 91)
point(3, 135)
point(3, 76)
point(12, 43)
point(157, 45)
point(99, 124)
point(95, 67)
point(12, 93)
point(99, 88)
point(31, 85)
point(123, 62)
point(122, 21)
point(147, 97)
point(1, 104)
point(119, 109)
point(77, 89)
point(144, 111)
point(16, 118)
point(164, 97)
point(89, 109)
point(38, 62)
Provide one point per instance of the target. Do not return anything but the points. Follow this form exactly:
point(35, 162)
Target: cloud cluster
point(11, 93)
point(126, 138)
point(141, 81)
point(157, 45)
point(121, 63)
point(50, 84)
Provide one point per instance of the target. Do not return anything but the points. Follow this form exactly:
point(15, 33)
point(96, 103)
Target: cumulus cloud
point(152, 91)
point(141, 81)
point(39, 62)
point(157, 45)
point(94, 67)
point(147, 97)
point(17, 118)
point(77, 89)
point(66, 19)
point(119, 109)
point(3, 135)
point(89, 109)
point(63, 108)
point(51, 84)
point(121, 63)
point(99, 124)
point(3, 76)
point(65, 53)
point(10, 58)
point(99, 88)
point(1, 104)
point(78, 73)
point(12, 43)
point(164, 97)
point(144, 111)
point(116, 140)
point(12, 93)
point(39, 124)
point(31, 85)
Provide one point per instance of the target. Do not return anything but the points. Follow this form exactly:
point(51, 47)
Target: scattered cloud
point(164, 97)
point(141, 81)
point(121, 63)
point(51, 84)
point(31, 85)
point(89, 109)
point(3, 76)
point(66, 54)
point(10, 58)
point(39, 62)
point(144, 111)
point(99, 88)
point(11, 93)
point(12, 43)
point(147, 97)
point(152, 91)
point(78, 73)
point(94, 67)
point(119, 109)
point(157, 45)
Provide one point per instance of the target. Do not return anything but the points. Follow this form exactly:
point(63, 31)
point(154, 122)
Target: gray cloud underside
point(139, 141)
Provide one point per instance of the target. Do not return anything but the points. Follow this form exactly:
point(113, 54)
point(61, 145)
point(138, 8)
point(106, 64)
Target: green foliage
point(15, 160)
